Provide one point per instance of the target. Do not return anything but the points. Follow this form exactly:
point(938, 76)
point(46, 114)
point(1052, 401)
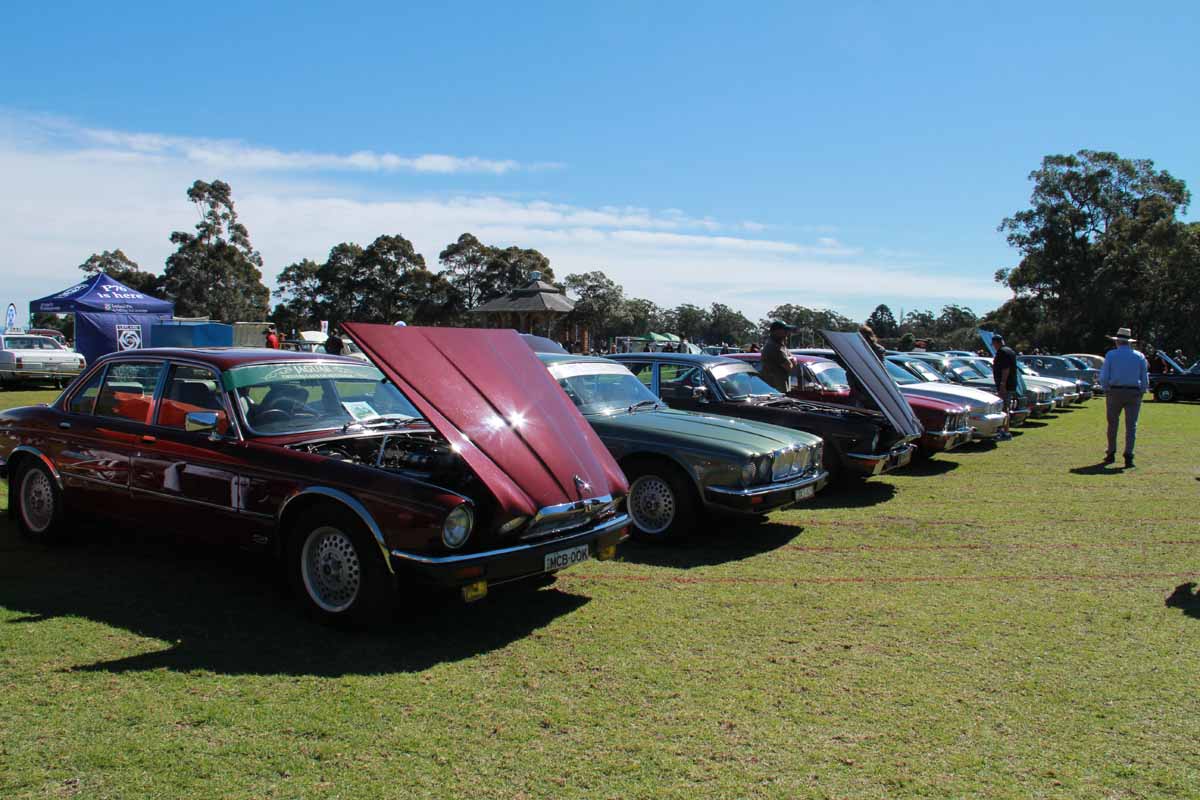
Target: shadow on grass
point(228, 612)
point(978, 446)
point(1185, 599)
point(728, 539)
point(930, 466)
point(1098, 469)
point(1034, 423)
point(852, 494)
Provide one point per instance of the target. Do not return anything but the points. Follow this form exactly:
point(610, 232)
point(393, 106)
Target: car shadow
point(852, 494)
point(978, 446)
point(1033, 423)
point(1185, 599)
point(228, 612)
point(727, 539)
point(930, 466)
point(1098, 469)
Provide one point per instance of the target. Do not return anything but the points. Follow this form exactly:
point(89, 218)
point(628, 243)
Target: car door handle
point(148, 439)
point(66, 426)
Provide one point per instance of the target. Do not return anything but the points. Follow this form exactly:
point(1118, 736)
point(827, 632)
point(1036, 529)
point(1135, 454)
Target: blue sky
point(697, 152)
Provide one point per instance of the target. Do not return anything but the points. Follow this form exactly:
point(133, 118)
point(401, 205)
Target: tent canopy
point(104, 294)
point(109, 316)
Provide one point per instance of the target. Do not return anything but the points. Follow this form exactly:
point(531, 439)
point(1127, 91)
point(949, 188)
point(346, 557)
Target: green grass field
point(991, 624)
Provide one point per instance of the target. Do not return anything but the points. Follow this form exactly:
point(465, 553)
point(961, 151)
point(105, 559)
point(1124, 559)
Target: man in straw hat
point(1124, 378)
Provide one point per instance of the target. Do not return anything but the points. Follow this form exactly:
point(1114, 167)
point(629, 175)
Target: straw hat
point(1123, 335)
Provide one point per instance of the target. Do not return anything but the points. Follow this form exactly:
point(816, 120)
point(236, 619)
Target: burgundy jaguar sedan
point(452, 459)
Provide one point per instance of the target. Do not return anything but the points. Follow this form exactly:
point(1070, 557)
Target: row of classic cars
point(456, 458)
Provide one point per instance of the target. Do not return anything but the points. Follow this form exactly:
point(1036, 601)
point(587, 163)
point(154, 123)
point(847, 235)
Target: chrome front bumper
point(986, 426)
point(757, 499)
point(879, 463)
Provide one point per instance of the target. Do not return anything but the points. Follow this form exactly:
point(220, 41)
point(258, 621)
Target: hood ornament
point(582, 486)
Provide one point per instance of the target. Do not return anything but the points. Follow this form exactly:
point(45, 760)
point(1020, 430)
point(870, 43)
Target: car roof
point(683, 358)
point(568, 358)
point(224, 358)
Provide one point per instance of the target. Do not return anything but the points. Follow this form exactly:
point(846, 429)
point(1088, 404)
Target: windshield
point(829, 374)
point(739, 381)
point(280, 398)
point(1026, 369)
point(983, 368)
point(899, 374)
point(1075, 362)
point(926, 372)
point(598, 388)
point(30, 343)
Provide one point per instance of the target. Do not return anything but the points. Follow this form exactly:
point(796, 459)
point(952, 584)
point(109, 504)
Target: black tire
point(336, 571)
point(1165, 393)
point(39, 502)
point(662, 502)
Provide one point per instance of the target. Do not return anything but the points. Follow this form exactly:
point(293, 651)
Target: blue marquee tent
point(109, 316)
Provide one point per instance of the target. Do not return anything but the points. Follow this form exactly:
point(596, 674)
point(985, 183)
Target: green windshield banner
point(258, 374)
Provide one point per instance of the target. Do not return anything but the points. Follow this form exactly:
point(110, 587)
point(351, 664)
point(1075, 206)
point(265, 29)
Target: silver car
point(25, 358)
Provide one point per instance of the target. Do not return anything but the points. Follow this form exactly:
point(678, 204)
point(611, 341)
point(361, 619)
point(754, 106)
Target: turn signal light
point(474, 591)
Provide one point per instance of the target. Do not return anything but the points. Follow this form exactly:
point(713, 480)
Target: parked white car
point(987, 415)
point(25, 358)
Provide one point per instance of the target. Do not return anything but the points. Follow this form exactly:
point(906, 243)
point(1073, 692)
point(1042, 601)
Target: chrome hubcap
point(37, 501)
point(330, 568)
point(652, 504)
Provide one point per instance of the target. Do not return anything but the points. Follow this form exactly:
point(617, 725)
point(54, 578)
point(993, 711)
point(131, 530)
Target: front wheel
point(336, 571)
point(661, 501)
point(39, 503)
point(1165, 393)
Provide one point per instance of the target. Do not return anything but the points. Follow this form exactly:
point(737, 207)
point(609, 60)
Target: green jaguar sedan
point(682, 465)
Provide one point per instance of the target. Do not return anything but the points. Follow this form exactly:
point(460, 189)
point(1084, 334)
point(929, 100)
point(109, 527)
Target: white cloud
point(65, 199)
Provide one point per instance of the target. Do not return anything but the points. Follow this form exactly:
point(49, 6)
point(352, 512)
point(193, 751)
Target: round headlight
point(457, 527)
point(748, 472)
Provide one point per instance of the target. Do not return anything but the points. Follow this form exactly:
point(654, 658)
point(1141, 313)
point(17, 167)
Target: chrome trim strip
point(881, 456)
point(948, 434)
point(348, 501)
point(33, 451)
point(608, 525)
point(808, 479)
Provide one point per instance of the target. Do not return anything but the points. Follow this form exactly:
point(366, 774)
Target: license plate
point(805, 492)
point(565, 558)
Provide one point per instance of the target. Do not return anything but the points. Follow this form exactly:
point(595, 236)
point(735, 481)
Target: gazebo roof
point(537, 295)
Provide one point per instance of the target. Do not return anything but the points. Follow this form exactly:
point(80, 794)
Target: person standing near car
point(1124, 378)
point(776, 363)
point(334, 344)
point(1004, 372)
point(272, 338)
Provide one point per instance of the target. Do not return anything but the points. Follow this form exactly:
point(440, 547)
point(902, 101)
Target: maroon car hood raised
point(498, 407)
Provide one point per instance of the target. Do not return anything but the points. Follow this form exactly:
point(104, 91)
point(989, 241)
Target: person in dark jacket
point(1004, 370)
point(334, 344)
point(776, 363)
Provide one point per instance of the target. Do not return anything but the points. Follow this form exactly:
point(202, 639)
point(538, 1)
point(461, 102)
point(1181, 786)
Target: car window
point(600, 388)
point(128, 390)
point(84, 398)
point(898, 373)
point(191, 389)
point(643, 372)
point(829, 374)
point(676, 381)
point(30, 343)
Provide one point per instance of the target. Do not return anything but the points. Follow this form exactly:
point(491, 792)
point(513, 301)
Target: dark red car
point(819, 378)
point(452, 459)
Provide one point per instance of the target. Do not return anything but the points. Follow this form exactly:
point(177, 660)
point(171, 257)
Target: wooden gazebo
point(533, 308)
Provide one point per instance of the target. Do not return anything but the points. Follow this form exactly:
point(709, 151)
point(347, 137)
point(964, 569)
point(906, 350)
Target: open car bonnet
point(498, 407)
point(858, 357)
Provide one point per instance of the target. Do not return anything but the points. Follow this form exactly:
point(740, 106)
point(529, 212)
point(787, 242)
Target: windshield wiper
point(380, 420)
point(643, 404)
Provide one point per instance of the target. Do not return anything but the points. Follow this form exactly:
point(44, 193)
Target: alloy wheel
point(652, 504)
point(330, 568)
point(37, 501)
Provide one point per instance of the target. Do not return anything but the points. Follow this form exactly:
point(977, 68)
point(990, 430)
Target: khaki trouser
point(1129, 401)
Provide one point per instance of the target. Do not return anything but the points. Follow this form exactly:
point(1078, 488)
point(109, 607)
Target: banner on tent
point(129, 337)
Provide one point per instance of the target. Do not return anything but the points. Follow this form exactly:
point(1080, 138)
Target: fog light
point(474, 591)
point(606, 552)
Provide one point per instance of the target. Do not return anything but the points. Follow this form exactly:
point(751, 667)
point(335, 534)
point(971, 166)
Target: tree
point(642, 316)
point(300, 291)
point(599, 305)
point(1099, 232)
point(513, 267)
point(121, 267)
point(883, 322)
point(340, 281)
point(388, 280)
point(215, 272)
point(727, 325)
point(809, 322)
point(466, 263)
point(688, 321)
point(921, 324)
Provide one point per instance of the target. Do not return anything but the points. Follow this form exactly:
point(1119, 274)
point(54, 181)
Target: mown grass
point(991, 625)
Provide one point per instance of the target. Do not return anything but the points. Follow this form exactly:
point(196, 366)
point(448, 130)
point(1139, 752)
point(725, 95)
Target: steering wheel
point(286, 408)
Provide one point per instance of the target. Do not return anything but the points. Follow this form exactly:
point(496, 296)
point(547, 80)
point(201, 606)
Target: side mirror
point(700, 394)
point(202, 422)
